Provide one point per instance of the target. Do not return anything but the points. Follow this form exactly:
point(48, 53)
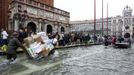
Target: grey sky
point(84, 9)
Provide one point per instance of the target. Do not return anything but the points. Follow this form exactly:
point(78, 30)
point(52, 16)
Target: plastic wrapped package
point(49, 46)
point(32, 53)
point(47, 49)
point(37, 47)
point(43, 36)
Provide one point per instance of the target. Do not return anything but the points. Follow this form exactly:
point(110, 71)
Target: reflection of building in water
point(37, 16)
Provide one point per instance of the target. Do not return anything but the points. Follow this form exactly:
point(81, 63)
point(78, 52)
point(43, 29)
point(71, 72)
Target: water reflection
point(93, 60)
point(109, 61)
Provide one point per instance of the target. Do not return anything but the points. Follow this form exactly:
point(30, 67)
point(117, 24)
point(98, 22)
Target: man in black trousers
point(13, 44)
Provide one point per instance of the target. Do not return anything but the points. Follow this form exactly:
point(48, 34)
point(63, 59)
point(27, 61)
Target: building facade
point(37, 16)
point(87, 26)
point(123, 25)
point(4, 5)
point(118, 25)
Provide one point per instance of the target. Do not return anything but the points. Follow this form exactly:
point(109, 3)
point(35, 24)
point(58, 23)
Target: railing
point(43, 7)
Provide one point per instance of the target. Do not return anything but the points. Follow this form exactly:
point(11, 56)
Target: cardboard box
point(45, 52)
point(28, 41)
point(37, 38)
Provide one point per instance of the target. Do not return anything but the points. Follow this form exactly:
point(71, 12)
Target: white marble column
point(16, 25)
point(55, 28)
point(39, 28)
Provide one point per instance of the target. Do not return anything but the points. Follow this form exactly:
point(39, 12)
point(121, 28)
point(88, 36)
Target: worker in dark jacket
point(13, 44)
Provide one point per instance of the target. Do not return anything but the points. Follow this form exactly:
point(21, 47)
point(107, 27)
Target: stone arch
point(62, 29)
point(49, 29)
point(32, 26)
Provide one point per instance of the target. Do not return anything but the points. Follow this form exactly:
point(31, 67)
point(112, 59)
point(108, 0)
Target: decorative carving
point(55, 23)
point(40, 19)
point(45, 20)
point(17, 16)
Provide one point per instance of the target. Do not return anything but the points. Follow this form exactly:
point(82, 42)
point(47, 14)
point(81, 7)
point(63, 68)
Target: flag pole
point(102, 17)
point(94, 17)
point(107, 18)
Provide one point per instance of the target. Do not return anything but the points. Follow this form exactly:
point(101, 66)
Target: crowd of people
point(64, 38)
point(16, 39)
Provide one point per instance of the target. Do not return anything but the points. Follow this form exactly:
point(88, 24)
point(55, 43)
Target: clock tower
point(127, 22)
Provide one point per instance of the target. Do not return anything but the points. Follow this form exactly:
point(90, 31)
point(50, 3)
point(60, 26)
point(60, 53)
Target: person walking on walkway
point(106, 41)
point(129, 42)
point(13, 44)
point(4, 35)
point(114, 40)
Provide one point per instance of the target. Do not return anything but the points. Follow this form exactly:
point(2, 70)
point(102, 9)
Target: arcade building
point(37, 16)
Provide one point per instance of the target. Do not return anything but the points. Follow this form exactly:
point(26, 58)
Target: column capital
point(45, 20)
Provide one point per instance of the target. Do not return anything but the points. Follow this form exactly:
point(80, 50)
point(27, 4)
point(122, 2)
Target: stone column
point(45, 25)
point(39, 28)
point(67, 30)
point(56, 27)
point(59, 27)
point(16, 25)
point(10, 25)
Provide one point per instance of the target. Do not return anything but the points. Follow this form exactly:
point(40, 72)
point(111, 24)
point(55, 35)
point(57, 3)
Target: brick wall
point(4, 13)
point(48, 2)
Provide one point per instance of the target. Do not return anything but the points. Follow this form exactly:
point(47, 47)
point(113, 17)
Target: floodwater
point(92, 60)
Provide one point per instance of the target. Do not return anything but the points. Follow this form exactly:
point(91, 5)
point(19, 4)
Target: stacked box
point(38, 44)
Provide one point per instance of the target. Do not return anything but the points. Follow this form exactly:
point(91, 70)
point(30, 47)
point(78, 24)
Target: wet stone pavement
point(92, 60)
